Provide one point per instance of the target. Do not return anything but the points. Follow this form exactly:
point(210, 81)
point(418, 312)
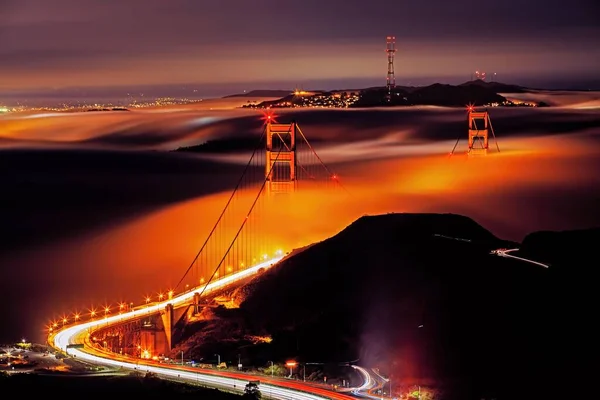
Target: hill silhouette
point(477, 92)
point(436, 95)
point(569, 250)
point(573, 259)
point(418, 296)
point(497, 87)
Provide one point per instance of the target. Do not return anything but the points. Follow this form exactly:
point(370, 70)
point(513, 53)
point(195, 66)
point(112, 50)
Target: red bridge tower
point(280, 166)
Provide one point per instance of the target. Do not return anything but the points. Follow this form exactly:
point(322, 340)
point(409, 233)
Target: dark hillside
point(389, 292)
point(573, 259)
point(435, 95)
point(497, 87)
point(420, 297)
point(562, 248)
point(454, 96)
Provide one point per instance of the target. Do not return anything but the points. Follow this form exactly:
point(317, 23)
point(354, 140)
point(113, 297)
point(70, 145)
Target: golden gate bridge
point(238, 245)
point(282, 162)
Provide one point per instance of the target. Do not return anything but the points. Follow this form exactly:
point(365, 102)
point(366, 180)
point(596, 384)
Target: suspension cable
point(331, 174)
point(243, 223)
point(214, 228)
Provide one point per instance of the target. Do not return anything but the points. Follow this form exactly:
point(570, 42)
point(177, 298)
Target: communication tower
point(390, 50)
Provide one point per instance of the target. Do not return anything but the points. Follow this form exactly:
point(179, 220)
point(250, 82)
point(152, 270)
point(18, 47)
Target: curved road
point(372, 381)
point(505, 253)
point(80, 334)
point(274, 388)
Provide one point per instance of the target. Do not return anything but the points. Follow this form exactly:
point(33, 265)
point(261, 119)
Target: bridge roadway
point(274, 388)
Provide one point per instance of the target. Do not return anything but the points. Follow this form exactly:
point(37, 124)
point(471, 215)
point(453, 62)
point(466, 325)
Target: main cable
point(265, 180)
point(224, 209)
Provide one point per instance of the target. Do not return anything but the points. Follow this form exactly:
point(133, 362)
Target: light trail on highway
point(64, 337)
point(77, 334)
point(372, 381)
point(368, 384)
point(504, 253)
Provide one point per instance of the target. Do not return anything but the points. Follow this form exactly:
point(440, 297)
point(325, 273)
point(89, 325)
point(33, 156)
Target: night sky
point(56, 44)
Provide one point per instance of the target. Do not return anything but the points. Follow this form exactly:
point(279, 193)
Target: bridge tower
point(280, 165)
point(479, 128)
point(478, 132)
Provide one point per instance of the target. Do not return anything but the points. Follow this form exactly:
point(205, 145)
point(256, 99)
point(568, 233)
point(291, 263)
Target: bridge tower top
point(281, 161)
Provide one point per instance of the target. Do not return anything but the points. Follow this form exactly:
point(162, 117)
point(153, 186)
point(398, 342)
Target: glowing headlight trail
point(64, 337)
point(368, 382)
point(212, 380)
point(78, 333)
point(504, 253)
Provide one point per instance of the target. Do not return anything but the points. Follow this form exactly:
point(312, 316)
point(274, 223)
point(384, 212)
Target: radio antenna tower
point(390, 50)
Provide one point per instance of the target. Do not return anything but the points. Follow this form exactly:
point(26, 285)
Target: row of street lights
point(127, 307)
point(93, 313)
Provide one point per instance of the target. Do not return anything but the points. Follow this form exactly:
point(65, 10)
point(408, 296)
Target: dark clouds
point(87, 42)
point(231, 21)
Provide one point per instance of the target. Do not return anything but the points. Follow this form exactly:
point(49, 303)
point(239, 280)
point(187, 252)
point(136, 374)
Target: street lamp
point(291, 365)
point(270, 386)
point(181, 357)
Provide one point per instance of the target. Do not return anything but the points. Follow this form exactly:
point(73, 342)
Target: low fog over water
point(96, 209)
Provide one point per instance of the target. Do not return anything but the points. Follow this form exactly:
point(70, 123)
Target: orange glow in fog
point(541, 182)
point(151, 253)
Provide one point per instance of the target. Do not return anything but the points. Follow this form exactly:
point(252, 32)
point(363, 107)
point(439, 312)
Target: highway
point(505, 253)
point(79, 334)
point(373, 381)
point(369, 384)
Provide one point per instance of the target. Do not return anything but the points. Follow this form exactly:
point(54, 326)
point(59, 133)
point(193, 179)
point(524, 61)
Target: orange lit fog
point(535, 183)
